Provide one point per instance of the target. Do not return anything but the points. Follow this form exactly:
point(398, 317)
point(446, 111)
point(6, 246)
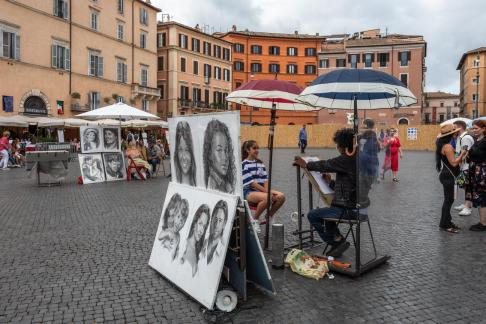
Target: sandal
point(455, 226)
point(451, 230)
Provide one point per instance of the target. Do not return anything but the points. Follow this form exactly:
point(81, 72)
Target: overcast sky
point(450, 27)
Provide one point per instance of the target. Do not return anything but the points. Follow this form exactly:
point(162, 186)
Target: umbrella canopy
point(14, 121)
point(263, 93)
point(108, 122)
point(373, 90)
point(77, 122)
point(451, 121)
point(145, 123)
point(117, 111)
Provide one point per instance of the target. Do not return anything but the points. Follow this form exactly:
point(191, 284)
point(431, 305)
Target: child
point(255, 182)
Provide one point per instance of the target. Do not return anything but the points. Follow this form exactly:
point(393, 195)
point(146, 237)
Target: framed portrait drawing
point(91, 139)
point(92, 169)
point(192, 239)
point(114, 166)
point(207, 151)
point(111, 139)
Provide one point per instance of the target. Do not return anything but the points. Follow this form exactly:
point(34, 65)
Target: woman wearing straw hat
point(448, 166)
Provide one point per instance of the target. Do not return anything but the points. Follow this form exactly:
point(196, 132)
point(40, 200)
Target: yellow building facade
point(472, 67)
point(60, 58)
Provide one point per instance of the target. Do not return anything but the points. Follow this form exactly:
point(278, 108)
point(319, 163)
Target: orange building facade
point(288, 57)
point(472, 67)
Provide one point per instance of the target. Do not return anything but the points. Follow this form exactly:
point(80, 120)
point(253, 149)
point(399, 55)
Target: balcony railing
point(80, 107)
point(146, 92)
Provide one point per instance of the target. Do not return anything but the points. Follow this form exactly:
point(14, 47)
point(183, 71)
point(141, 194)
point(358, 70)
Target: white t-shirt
point(464, 140)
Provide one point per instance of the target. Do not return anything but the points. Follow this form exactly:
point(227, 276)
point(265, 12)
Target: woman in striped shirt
point(255, 181)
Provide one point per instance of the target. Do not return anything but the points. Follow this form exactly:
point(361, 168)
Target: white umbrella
point(76, 122)
point(48, 121)
point(107, 122)
point(117, 111)
point(453, 120)
point(145, 123)
point(13, 121)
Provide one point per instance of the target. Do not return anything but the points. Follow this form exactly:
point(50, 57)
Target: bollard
point(277, 246)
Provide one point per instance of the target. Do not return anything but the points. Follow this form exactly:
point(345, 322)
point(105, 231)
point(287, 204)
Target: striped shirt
point(253, 171)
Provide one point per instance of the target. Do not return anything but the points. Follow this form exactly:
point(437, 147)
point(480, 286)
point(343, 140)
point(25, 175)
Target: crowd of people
point(12, 151)
point(145, 154)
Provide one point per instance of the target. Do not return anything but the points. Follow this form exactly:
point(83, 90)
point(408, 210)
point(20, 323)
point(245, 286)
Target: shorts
point(246, 192)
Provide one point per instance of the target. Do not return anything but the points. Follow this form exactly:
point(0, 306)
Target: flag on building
point(7, 103)
point(60, 107)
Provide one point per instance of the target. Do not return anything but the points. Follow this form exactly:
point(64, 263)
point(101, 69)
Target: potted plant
point(107, 100)
point(75, 95)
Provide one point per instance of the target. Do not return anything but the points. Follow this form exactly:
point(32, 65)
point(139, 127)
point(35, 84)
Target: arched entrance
point(35, 102)
point(403, 121)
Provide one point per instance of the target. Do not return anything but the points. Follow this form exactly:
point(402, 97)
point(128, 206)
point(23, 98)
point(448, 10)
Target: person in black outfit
point(344, 201)
point(448, 166)
point(477, 173)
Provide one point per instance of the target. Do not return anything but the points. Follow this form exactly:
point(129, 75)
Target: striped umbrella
point(274, 95)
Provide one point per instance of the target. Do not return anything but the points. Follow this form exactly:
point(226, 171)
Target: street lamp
point(476, 112)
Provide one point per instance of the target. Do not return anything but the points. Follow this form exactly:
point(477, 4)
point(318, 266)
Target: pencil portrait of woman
point(195, 239)
point(216, 244)
point(91, 139)
point(184, 162)
point(175, 217)
point(110, 139)
point(218, 158)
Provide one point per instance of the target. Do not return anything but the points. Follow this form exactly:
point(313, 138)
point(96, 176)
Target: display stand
point(47, 162)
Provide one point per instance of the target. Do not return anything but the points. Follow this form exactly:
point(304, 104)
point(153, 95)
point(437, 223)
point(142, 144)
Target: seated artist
point(345, 192)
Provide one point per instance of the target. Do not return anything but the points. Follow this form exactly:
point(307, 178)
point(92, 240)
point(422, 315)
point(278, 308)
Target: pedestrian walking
point(447, 164)
point(476, 190)
point(395, 151)
point(302, 139)
point(4, 150)
point(464, 141)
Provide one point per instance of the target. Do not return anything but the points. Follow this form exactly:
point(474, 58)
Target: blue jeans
point(329, 230)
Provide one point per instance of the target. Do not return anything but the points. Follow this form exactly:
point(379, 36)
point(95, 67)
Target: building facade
point(288, 57)
point(194, 70)
point(402, 56)
point(63, 57)
point(440, 106)
point(472, 67)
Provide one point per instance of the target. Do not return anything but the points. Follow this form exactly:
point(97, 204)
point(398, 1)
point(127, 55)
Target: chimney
point(317, 34)
point(233, 28)
point(296, 32)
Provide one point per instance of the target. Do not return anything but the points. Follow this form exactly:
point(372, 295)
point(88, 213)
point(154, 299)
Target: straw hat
point(448, 129)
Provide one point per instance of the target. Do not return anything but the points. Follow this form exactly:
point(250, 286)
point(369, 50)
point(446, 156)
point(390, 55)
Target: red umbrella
point(270, 94)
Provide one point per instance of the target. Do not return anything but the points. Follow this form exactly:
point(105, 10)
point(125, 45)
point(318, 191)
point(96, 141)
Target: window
point(226, 75)
point(94, 100)
point(292, 68)
point(60, 57)
point(160, 63)
point(256, 49)
point(476, 80)
point(207, 48)
point(145, 105)
point(324, 63)
point(239, 66)
point(217, 73)
point(340, 63)
point(383, 58)
point(368, 59)
point(226, 54)
point(161, 39)
point(442, 104)
point(310, 69)
point(9, 42)
point(94, 19)
point(183, 64)
point(184, 92)
point(161, 87)
point(475, 97)
point(144, 75)
point(239, 48)
point(441, 118)
point(427, 118)
point(196, 45)
point(143, 16)
point(274, 50)
point(404, 79)
point(61, 9)
point(292, 51)
point(95, 64)
point(256, 67)
point(121, 71)
point(119, 31)
point(143, 40)
point(183, 41)
point(206, 96)
point(195, 67)
point(310, 51)
point(274, 68)
point(217, 51)
point(353, 60)
point(207, 70)
point(120, 99)
point(120, 6)
point(404, 57)
point(476, 62)
point(196, 95)
point(455, 104)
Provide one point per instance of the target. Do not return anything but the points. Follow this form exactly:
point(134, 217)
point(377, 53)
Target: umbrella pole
point(269, 196)
point(358, 225)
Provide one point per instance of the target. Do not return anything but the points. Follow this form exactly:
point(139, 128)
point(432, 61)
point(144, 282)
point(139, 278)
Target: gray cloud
point(449, 27)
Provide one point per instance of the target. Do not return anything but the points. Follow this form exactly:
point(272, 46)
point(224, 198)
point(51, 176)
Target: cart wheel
point(226, 300)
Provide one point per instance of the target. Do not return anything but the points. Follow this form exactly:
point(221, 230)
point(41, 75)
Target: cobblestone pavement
point(79, 254)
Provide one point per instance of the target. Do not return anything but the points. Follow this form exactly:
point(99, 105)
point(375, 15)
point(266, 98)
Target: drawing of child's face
point(200, 226)
point(184, 156)
point(219, 154)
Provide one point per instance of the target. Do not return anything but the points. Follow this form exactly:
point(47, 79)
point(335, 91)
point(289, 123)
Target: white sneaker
point(460, 207)
point(465, 212)
point(256, 225)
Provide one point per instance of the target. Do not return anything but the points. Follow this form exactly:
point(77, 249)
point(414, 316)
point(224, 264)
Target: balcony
point(185, 103)
point(80, 107)
point(142, 92)
point(219, 106)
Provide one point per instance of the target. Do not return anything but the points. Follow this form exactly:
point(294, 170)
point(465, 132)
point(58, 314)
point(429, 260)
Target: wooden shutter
point(17, 46)
point(409, 56)
point(372, 57)
point(54, 56)
point(56, 7)
point(65, 11)
point(399, 56)
point(100, 66)
point(67, 59)
point(125, 73)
